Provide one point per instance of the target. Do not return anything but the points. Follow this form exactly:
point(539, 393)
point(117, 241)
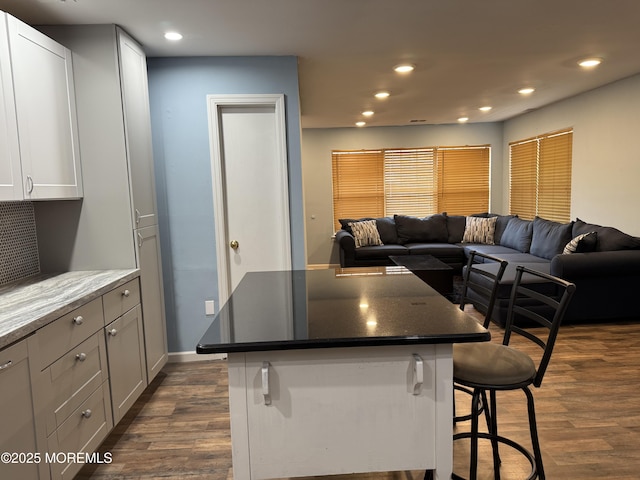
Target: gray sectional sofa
point(603, 262)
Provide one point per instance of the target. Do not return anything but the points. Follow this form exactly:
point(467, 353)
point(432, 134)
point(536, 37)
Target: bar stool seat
point(492, 364)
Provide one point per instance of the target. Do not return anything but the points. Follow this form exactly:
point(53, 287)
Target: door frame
point(214, 105)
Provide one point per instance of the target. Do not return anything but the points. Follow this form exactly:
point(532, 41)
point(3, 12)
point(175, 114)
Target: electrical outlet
point(209, 307)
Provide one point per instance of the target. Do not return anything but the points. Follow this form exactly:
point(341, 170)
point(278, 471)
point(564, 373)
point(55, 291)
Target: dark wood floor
point(588, 416)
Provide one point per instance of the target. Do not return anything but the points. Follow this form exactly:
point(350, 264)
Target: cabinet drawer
point(83, 431)
point(121, 300)
point(63, 334)
point(72, 378)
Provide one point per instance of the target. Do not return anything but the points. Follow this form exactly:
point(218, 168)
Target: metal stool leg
point(533, 428)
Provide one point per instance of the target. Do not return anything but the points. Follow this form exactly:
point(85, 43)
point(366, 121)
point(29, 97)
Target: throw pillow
point(365, 233)
point(479, 230)
point(455, 227)
point(585, 242)
point(386, 228)
point(549, 237)
point(428, 229)
point(517, 235)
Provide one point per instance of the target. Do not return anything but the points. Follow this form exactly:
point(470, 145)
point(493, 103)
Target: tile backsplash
point(18, 242)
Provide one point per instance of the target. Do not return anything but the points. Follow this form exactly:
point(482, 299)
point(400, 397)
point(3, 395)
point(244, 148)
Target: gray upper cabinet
point(45, 111)
point(135, 94)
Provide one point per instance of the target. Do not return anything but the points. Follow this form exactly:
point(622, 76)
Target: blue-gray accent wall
point(177, 92)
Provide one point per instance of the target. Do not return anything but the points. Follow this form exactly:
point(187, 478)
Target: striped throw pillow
point(479, 230)
point(365, 233)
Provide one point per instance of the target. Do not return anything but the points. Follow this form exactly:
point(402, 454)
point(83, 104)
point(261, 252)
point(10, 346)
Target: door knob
point(234, 244)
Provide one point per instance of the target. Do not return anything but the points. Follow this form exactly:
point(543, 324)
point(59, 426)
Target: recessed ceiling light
point(404, 68)
point(360, 124)
point(486, 108)
point(526, 91)
point(173, 36)
point(590, 62)
point(367, 113)
point(463, 119)
point(382, 95)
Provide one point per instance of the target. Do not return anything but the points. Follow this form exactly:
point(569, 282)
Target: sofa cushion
point(428, 229)
point(493, 250)
point(501, 225)
point(585, 242)
point(549, 238)
point(455, 227)
point(517, 234)
point(380, 252)
point(435, 249)
point(609, 238)
point(365, 233)
point(479, 230)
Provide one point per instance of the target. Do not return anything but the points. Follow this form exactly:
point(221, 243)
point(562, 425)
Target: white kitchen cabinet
point(135, 102)
point(117, 226)
point(124, 334)
point(155, 330)
point(10, 170)
point(17, 415)
point(44, 102)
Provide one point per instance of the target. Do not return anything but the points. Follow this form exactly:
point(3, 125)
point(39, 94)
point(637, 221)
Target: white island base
point(323, 411)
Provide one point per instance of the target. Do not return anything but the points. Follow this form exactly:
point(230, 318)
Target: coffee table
point(429, 269)
point(339, 371)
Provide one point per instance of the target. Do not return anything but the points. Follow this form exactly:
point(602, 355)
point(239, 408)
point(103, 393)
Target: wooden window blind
point(358, 184)
point(523, 181)
point(463, 179)
point(540, 176)
point(409, 182)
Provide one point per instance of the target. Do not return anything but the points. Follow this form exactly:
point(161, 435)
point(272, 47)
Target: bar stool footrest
point(500, 439)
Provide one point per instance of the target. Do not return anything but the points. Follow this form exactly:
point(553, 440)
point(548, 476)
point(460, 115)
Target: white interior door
point(251, 199)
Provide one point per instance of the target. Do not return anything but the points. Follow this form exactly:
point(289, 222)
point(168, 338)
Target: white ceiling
point(467, 53)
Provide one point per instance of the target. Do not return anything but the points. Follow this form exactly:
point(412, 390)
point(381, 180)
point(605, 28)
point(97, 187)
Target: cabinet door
point(127, 366)
point(155, 330)
point(16, 413)
point(135, 97)
point(46, 114)
point(10, 173)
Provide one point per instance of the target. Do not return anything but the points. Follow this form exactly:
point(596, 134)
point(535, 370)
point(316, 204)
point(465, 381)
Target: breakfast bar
point(339, 371)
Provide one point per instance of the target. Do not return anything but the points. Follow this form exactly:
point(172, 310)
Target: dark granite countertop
point(336, 308)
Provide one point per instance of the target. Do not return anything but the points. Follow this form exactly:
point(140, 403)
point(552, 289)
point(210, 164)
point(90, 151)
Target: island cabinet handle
point(418, 374)
point(265, 383)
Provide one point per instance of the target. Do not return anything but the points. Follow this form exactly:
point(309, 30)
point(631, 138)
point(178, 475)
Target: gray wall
point(178, 88)
point(606, 158)
point(316, 153)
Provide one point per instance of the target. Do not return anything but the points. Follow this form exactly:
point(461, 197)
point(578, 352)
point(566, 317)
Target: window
point(540, 176)
point(410, 181)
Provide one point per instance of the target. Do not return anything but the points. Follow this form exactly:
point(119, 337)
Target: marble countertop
point(32, 303)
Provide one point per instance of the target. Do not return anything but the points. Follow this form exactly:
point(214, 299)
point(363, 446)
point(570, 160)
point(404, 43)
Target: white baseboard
point(184, 357)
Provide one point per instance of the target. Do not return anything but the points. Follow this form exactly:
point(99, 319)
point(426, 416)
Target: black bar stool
point(490, 367)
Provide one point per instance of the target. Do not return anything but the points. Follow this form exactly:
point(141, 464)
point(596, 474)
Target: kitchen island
point(339, 371)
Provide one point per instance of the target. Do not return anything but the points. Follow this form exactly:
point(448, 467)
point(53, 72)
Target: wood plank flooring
point(588, 411)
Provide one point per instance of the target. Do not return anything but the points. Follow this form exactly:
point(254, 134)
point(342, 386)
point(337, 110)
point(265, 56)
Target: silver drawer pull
point(81, 357)
point(418, 374)
point(126, 293)
point(6, 365)
point(78, 320)
point(86, 413)
point(113, 332)
point(265, 383)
